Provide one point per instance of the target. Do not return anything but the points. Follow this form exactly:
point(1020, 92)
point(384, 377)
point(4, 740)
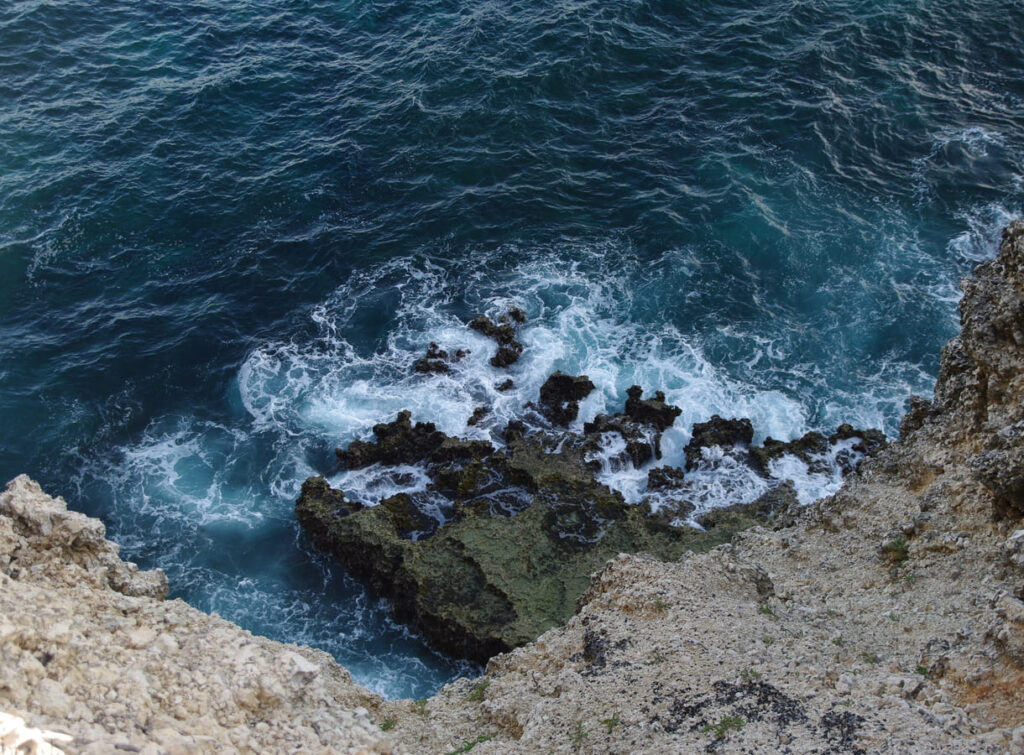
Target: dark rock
point(870, 441)
point(652, 411)
point(509, 349)
point(560, 396)
point(918, 412)
point(505, 385)
point(810, 449)
point(478, 414)
point(661, 479)
point(398, 442)
point(640, 426)
point(402, 442)
point(437, 359)
point(717, 432)
point(491, 578)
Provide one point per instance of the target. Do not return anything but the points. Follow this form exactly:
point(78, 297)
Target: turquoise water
point(227, 229)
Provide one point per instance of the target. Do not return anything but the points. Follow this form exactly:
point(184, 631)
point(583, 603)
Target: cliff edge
point(888, 618)
point(94, 660)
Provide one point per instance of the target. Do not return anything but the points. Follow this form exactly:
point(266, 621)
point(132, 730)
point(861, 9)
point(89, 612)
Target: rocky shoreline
point(524, 524)
point(888, 617)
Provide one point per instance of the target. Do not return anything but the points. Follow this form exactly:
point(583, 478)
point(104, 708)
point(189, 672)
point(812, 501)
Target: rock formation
point(93, 659)
point(886, 618)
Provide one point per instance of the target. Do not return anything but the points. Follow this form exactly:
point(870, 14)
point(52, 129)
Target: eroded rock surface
point(888, 618)
point(93, 659)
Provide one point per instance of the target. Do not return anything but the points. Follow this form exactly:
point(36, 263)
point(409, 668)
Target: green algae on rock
point(496, 574)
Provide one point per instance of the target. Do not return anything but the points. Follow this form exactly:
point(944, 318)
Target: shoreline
point(888, 618)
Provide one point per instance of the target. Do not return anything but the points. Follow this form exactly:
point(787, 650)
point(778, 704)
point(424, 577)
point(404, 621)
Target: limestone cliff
point(888, 618)
point(89, 648)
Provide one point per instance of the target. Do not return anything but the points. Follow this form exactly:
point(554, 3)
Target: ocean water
point(228, 229)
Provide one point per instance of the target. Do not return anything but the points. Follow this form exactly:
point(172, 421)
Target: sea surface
point(229, 227)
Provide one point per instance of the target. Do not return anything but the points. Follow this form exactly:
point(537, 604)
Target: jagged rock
point(478, 414)
point(662, 479)
point(810, 449)
point(1001, 469)
point(504, 332)
point(773, 506)
point(402, 442)
point(640, 426)
point(717, 432)
point(560, 396)
point(505, 385)
point(437, 359)
point(491, 578)
point(651, 411)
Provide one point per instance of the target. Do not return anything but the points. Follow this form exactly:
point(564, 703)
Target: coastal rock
point(492, 579)
point(504, 332)
point(437, 360)
point(717, 432)
point(560, 397)
point(93, 659)
point(640, 426)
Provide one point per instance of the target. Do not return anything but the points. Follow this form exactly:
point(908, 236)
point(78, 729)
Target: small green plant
point(470, 745)
point(749, 675)
point(579, 734)
point(724, 726)
point(477, 694)
point(767, 640)
point(870, 658)
point(896, 551)
point(420, 707)
point(388, 724)
point(922, 669)
point(766, 610)
point(660, 606)
point(838, 641)
point(611, 723)
point(910, 579)
point(658, 657)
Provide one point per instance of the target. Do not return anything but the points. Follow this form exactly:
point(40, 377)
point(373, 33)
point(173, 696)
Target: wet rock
point(869, 442)
point(505, 385)
point(810, 449)
point(478, 414)
point(717, 432)
point(438, 360)
point(640, 426)
point(499, 572)
point(661, 479)
point(504, 332)
point(402, 442)
point(560, 397)
point(651, 411)
point(774, 507)
point(398, 442)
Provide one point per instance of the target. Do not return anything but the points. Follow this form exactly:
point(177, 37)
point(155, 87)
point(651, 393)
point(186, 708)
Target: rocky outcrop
point(93, 659)
point(523, 526)
point(504, 333)
point(888, 618)
point(498, 574)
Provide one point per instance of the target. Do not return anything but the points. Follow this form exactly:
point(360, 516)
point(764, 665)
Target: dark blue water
point(227, 229)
